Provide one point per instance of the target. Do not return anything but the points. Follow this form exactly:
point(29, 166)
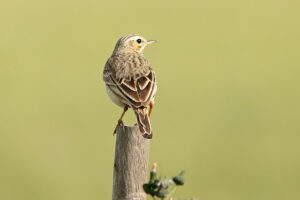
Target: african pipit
point(130, 80)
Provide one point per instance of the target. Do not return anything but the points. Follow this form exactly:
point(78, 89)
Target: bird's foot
point(120, 123)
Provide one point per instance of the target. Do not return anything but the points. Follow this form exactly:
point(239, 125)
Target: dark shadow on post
point(130, 165)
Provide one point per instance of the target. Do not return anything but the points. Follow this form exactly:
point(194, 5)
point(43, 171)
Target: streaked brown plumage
point(130, 80)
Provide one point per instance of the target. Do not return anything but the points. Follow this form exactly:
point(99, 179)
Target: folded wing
point(136, 90)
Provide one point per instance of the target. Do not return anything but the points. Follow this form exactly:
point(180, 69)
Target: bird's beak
point(151, 41)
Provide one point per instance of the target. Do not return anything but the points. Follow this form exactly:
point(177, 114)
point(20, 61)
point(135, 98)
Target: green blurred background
point(227, 108)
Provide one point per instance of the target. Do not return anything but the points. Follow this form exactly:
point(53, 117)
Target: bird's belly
point(114, 97)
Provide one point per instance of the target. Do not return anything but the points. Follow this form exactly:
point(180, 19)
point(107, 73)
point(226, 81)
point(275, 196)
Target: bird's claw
point(120, 123)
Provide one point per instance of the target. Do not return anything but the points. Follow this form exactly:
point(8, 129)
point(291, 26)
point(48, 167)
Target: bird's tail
point(143, 122)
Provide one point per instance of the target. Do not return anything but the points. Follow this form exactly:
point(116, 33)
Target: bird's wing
point(135, 89)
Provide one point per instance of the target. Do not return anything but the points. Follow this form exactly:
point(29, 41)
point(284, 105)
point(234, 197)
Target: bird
point(130, 80)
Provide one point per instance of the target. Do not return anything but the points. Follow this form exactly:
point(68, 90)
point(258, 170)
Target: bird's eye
point(139, 41)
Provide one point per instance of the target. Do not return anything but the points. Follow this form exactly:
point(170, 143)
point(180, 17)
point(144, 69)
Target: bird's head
point(132, 43)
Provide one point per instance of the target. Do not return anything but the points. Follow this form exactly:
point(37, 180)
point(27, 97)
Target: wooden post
point(130, 165)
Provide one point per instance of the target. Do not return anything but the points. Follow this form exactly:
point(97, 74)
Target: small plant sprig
point(160, 187)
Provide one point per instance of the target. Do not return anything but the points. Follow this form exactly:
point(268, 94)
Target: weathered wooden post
point(130, 164)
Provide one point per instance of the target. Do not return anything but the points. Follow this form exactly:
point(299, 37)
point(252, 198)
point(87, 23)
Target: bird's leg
point(120, 122)
point(151, 106)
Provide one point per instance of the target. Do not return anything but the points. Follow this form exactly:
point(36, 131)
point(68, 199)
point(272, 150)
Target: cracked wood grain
point(130, 164)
